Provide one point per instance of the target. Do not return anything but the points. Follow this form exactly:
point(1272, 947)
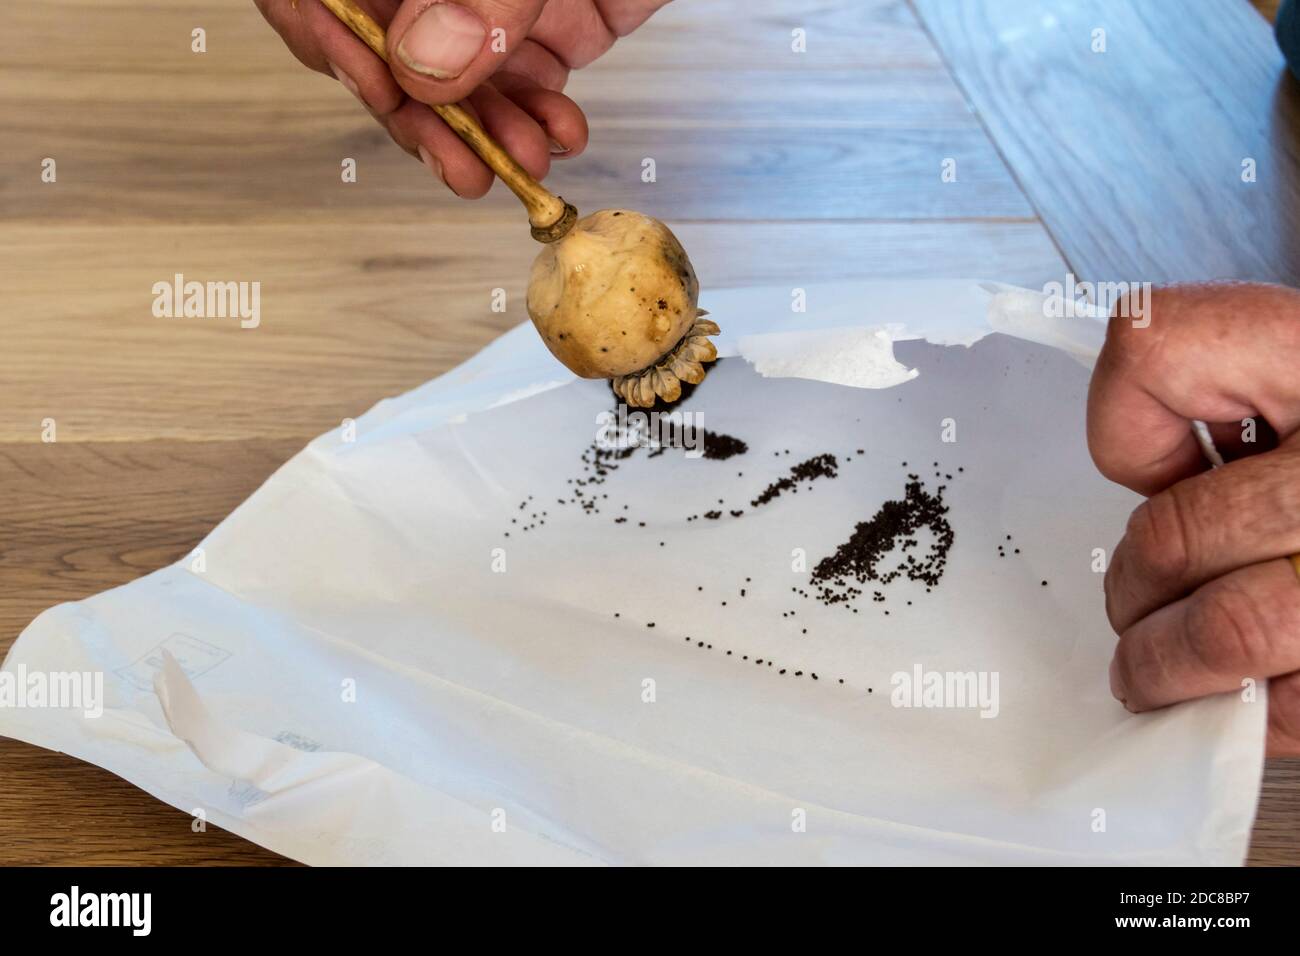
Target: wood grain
point(773, 166)
point(1134, 156)
point(352, 316)
point(165, 496)
point(248, 135)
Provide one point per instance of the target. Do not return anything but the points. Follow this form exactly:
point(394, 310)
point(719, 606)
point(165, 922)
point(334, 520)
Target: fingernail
point(431, 161)
point(349, 83)
point(557, 149)
point(443, 41)
point(1117, 688)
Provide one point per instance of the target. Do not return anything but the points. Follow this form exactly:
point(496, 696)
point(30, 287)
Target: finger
point(574, 31)
point(1217, 353)
point(418, 128)
point(1243, 625)
point(578, 31)
point(535, 62)
point(317, 38)
point(558, 116)
point(1236, 440)
point(624, 16)
point(441, 51)
point(1284, 716)
point(514, 129)
point(1243, 513)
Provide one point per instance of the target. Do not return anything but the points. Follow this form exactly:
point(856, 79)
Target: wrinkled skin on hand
point(1202, 589)
point(515, 93)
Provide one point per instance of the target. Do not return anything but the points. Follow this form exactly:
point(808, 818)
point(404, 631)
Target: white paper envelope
point(454, 633)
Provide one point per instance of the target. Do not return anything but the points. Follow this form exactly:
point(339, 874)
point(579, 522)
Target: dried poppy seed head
point(617, 298)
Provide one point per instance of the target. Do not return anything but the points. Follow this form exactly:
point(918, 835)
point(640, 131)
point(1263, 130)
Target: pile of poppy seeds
point(908, 537)
point(895, 523)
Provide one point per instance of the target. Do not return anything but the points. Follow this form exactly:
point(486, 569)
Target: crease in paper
point(345, 539)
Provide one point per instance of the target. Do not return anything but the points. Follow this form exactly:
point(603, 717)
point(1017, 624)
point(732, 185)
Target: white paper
point(348, 680)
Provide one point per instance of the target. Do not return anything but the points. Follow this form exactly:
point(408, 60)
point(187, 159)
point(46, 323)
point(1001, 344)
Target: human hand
point(507, 60)
point(1201, 589)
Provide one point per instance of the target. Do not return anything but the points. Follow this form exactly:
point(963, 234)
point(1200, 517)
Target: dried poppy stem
point(582, 294)
point(548, 214)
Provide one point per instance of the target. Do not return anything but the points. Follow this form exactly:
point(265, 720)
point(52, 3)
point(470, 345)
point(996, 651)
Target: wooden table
point(1123, 165)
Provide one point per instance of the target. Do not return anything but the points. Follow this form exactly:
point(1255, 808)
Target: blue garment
point(1288, 33)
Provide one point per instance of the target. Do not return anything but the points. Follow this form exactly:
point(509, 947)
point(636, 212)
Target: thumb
point(441, 51)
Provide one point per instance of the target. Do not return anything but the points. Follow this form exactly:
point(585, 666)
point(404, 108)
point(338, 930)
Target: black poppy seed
point(650, 624)
point(1044, 584)
point(896, 522)
point(820, 466)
